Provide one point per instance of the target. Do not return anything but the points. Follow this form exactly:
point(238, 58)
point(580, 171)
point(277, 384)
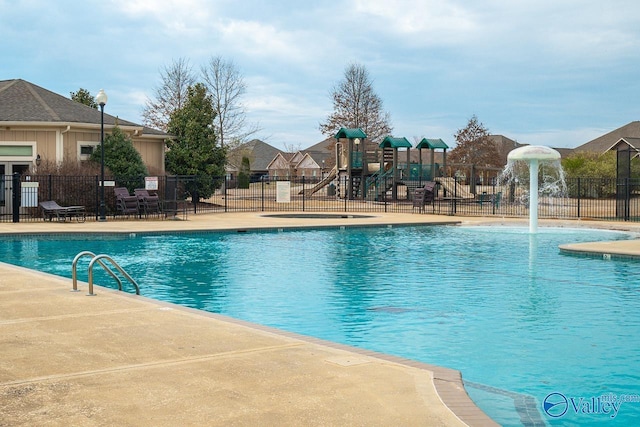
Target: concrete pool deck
point(120, 359)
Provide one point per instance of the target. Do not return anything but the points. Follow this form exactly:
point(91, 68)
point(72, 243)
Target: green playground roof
point(432, 143)
point(351, 133)
point(391, 142)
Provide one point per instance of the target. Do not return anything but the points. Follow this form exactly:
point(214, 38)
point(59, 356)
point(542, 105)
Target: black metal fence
point(589, 198)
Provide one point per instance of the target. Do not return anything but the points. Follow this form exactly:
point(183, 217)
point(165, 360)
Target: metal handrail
point(74, 269)
point(98, 259)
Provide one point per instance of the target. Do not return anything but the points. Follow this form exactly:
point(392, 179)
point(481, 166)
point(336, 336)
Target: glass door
point(7, 170)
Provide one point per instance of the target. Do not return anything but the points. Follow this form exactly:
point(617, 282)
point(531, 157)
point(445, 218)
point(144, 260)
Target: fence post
point(454, 205)
point(262, 194)
point(579, 196)
point(303, 198)
point(224, 193)
point(50, 188)
point(472, 183)
point(346, 193)
point(494, 198)
point(97, 196)
point(16, 197)
point(627, 198)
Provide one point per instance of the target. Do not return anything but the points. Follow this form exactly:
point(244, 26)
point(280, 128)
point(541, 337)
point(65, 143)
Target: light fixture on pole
point(101, 99)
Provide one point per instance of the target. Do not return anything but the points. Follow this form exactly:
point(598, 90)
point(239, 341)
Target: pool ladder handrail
point(98, 259)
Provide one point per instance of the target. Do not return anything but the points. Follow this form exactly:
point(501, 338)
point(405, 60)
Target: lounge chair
point(148, 203)
point(51, 209)
point(424, 195)
point(126, 204)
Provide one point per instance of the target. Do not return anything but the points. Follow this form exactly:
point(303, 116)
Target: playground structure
point(365, 170)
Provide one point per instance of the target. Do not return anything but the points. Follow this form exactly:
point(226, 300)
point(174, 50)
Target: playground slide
point(454, 189)
point(332, 175)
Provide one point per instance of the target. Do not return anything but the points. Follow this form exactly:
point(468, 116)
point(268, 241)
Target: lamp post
point(101, 99)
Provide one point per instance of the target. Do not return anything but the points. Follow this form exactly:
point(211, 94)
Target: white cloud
point(180, 16)
point(254, 38)
point(419, 17)
point(269, 44)
point(423, 22)
point(267, 97)
point(570, 31)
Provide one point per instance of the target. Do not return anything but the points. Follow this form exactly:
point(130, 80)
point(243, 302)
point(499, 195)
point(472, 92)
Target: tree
point(226, 87)
point(83, 96)
point(356, 105)
point(170, 96)
point(244, 174)
point(120, 156)
point(474, 147)
point(193, 150)
point(292, 147)
point(590, 165)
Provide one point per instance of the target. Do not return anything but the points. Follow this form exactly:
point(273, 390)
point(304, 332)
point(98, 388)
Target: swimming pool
point(520, 320)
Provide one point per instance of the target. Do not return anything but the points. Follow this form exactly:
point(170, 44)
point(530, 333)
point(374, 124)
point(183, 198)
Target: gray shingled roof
point(22, 101)
point(326, 145)
point(604, 142)
point(262, 153)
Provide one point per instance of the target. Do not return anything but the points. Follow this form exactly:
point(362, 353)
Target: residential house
point(628, 134)
point(259, 153)
point(505, 146)
point(281, 166)
point(312, 163)
point(39, 125)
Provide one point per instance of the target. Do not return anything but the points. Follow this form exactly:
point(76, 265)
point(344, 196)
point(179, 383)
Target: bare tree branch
point(226, 87)
point(170, 96)
point(356, 105)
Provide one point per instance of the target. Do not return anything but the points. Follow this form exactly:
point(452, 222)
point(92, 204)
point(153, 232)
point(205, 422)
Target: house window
point(86, 149)
point(16, 150)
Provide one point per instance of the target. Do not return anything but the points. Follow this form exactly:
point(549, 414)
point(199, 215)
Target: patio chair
point(148, 203)
point(51, 209)
point(126, 204)
point(424, 195)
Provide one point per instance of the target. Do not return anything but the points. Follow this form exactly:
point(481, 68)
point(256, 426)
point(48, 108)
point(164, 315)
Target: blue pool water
point(517, 317)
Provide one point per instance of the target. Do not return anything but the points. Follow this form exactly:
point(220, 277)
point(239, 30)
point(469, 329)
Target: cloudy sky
point(550, 72)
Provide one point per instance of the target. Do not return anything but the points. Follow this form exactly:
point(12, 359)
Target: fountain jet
point(533, 155)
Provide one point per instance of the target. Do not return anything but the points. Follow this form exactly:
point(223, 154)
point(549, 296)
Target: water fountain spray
point(533, 155)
